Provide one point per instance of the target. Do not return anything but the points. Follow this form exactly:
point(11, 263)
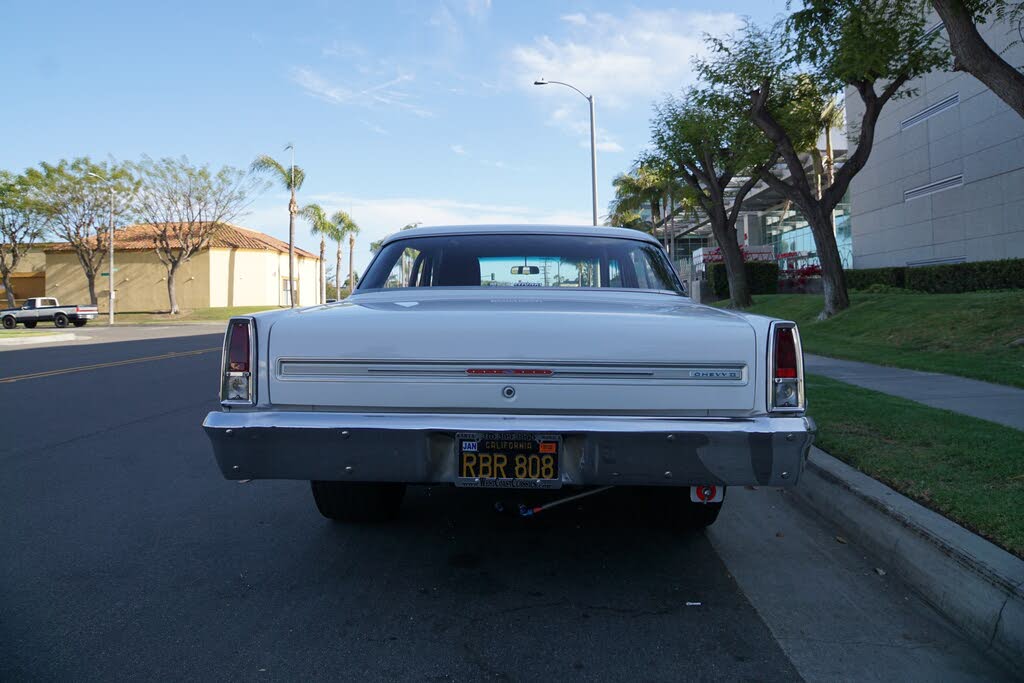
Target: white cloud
point(379, 130)
point(459, 149)
point(620, 59)
point(477, 8)
point(383, 93)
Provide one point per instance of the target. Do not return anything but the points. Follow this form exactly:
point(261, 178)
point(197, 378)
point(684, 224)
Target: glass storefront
point(789, 233)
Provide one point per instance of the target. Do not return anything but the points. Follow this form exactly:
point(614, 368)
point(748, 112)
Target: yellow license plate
point(513, 460)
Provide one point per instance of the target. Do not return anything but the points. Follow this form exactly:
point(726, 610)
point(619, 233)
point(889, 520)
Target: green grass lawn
point(958, 334)
point(193, 316)
point(970, 470)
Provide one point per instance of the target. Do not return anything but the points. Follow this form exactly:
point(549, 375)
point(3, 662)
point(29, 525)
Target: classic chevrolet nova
point(516, 357)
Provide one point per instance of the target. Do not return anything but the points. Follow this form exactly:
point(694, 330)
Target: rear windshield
point(563, 261)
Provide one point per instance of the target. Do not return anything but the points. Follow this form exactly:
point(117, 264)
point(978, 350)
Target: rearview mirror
point(525, 270)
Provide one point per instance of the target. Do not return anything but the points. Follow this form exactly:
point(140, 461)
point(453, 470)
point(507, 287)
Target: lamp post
point(593, 139)
point(110, 256)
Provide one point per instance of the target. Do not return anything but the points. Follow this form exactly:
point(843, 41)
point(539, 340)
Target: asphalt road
point(126, 555)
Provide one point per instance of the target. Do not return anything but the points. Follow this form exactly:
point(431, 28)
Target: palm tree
point(291, 178)
point(345, 226)
point(320, 224)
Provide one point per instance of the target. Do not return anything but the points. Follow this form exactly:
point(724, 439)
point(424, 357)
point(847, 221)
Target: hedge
point(863, 278)
point(967, 277)
point(762, 278)
point(952, 278)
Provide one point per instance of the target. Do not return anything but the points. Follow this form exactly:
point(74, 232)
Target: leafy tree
point(320, 224)
point(349, 227)
point(644, 187)
point(22, 222)
point(344, 226)
point(186, 205)
point(290, 178)
point(710, 144)
point(786, 77)
point(972, 54)
point(78, 196)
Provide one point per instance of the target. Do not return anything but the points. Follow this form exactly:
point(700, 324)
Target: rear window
point(544, 261)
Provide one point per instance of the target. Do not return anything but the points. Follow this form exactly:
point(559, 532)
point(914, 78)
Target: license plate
point(508, 460)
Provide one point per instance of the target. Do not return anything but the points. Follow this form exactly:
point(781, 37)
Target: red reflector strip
point(508, 371)
point(785, 372)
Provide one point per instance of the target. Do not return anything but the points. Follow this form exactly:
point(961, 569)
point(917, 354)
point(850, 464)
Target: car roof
point(583, 230)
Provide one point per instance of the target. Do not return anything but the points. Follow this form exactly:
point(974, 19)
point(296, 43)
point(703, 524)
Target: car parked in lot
point(46, 309)
point(517, 357)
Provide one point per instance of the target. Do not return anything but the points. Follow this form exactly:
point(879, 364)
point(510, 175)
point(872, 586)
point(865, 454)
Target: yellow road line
point(97, 366)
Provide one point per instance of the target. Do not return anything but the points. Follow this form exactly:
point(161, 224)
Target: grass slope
point(970, 470)
point(195, 315)
point(958, 334)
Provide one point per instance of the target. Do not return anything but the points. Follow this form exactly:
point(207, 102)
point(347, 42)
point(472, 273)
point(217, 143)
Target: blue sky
point(399, 111)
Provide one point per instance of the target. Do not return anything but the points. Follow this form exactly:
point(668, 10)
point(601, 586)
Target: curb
point(39, 339)
point(972, 582)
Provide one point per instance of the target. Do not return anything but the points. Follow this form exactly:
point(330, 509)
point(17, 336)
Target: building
point(241, 267)
point(945, 180)
point(29, 279)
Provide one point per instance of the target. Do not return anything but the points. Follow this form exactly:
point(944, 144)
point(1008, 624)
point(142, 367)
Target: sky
point(399, 112)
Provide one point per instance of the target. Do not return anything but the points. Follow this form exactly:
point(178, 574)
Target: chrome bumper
point(420, 448)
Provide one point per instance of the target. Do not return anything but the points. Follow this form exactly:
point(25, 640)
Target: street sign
point(105, 274)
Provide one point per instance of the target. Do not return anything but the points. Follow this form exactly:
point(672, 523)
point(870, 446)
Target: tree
point(291, 178)
point(351, 228)
point(972, 54)
point(185, 206)
point(644, 187)
point(22, 222)
point(77, 196)
point(710, 143)
point(342, 222)
point(320, 224)
point(786, 76)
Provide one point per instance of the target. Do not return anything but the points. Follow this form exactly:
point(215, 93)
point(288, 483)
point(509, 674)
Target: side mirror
point(525, 270)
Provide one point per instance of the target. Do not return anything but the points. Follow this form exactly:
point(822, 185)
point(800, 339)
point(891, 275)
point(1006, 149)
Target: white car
point(520, 357)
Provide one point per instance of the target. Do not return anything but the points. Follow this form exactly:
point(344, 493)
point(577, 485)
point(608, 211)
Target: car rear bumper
point(420, 448)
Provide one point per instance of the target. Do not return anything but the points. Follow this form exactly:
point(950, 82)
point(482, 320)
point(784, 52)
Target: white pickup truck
point(46, 309)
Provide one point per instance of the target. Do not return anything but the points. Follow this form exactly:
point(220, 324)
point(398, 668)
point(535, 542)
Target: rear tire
point(60, 320)
point(79, 323)
point(10, 322)
point(30, 325)
point(345, 501)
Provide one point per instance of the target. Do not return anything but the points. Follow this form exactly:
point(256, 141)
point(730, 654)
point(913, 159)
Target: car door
point(29, 313)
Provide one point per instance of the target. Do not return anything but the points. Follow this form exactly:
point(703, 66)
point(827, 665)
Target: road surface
point(126, 555)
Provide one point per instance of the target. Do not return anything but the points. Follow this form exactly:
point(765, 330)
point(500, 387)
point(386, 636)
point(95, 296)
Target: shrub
point(763, 278)
point(863, 278)
point(955, 278)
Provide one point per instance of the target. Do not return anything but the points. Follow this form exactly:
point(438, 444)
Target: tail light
point(238, 380)
point(785, 368)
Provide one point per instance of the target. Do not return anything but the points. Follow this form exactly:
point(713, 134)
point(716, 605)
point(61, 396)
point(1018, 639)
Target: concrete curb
point(975, 584)
point(40, 339)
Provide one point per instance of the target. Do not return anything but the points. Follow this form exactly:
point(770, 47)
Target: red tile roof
point(228, 236)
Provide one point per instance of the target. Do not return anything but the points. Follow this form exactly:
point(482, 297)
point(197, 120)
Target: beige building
point(241, 267)
point(29, 279)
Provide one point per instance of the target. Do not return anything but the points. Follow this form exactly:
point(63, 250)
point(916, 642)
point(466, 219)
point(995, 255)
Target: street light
point(593, 139)
point(110, 258)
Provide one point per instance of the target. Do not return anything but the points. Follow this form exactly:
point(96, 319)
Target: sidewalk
point(993, 402)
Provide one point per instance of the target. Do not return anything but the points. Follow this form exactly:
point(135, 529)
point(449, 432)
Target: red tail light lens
point(238, 347)
point(785, 353)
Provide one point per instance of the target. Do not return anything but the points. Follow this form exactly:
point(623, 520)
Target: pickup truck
point(46, 309)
